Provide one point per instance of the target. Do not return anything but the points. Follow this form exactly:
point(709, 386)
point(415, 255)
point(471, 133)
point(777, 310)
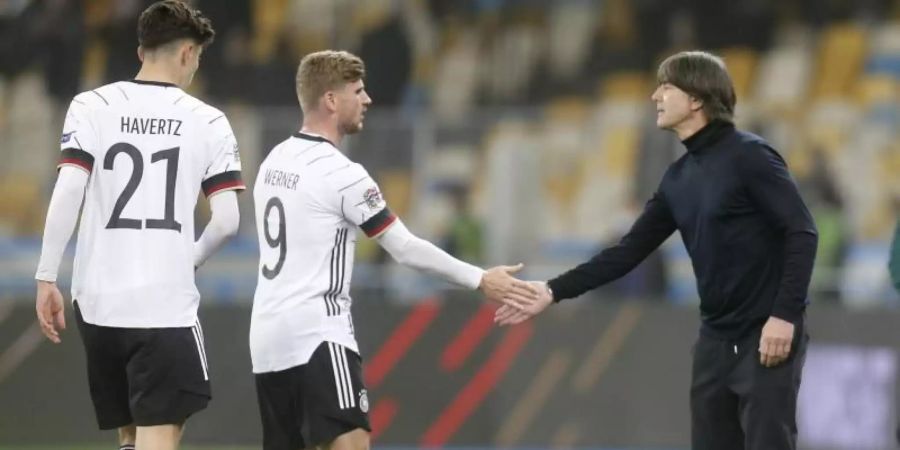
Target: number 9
point(279, 241)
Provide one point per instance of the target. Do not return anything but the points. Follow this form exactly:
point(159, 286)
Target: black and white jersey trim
point(201, 349)
point(152, 83)
point(337, 272)
point(310, 137)
point(342, 380)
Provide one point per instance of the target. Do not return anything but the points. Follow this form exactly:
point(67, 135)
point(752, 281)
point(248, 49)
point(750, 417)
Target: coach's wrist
point(554, 291)
point(549, 290)
point(787, 313)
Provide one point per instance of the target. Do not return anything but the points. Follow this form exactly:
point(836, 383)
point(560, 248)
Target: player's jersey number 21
point(170, 158)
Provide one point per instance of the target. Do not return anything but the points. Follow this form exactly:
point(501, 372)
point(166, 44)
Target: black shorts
point(144, 376)
point(314, 403)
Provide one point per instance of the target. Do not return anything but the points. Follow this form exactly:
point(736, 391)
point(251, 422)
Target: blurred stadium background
point(506, 131)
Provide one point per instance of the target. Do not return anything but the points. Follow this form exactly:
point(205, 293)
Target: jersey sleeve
point(79, 140)
point(224, 171)
point(361, 202)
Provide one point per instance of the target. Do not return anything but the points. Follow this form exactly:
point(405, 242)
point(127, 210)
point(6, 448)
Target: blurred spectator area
point(509, 129)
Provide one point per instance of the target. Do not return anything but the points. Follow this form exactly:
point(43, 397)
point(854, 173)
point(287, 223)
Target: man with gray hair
point(752, 242)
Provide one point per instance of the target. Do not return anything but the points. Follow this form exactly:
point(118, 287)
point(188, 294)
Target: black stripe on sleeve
point(225, 180)
point(378, 223)
point(77, 157)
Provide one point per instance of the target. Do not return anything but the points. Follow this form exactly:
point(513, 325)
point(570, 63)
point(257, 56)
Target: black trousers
point(737, 403)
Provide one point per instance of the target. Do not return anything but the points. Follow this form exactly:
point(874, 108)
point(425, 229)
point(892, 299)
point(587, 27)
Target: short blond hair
point(323, 71)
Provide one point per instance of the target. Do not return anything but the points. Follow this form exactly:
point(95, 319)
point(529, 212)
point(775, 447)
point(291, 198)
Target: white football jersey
point(308, 200)
point(149, 148)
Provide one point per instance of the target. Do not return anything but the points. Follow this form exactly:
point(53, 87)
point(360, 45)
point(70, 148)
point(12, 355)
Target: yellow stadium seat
point(96, 56)
point(881, 88)
point(22, 206)
point(800, 160)
point(626, 86)
point(561, 138)
point(620, 150)
point(890, 168)
point(268, 18)
point(742, 63)
point(563, 184)
point(618, 22)
point(829, 125)
point(841, 54)
point(370, 14)
point(396, 185)
point(566, 109)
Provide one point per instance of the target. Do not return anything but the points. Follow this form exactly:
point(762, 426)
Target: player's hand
point(775, 342)
point(50, 310)
point(508, 315)
point(498, 285)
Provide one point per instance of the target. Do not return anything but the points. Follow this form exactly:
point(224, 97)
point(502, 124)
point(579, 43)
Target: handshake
point(519, 300)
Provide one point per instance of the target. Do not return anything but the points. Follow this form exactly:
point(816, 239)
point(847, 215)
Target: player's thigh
point(335, 399)
point(357, 439)
point(106, 353)
point(168, 376)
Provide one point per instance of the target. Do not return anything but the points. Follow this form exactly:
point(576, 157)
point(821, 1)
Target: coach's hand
point(507, 315)
point(775, 342)
point(50, 311)
point(498, 285)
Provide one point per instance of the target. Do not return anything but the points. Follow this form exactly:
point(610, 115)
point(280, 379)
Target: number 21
point(170, 155)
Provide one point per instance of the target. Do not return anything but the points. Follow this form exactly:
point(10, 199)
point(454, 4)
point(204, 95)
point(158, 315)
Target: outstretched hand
point(508, 315)
point(498, 285)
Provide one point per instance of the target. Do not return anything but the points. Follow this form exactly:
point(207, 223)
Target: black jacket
point(751, 239)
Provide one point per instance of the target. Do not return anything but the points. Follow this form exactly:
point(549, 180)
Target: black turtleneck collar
point(153, 83)
point(312, 137)
point(707, 135)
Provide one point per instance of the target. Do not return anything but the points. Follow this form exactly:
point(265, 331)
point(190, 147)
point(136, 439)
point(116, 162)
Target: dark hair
point(701, 75)
point(170, 20)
